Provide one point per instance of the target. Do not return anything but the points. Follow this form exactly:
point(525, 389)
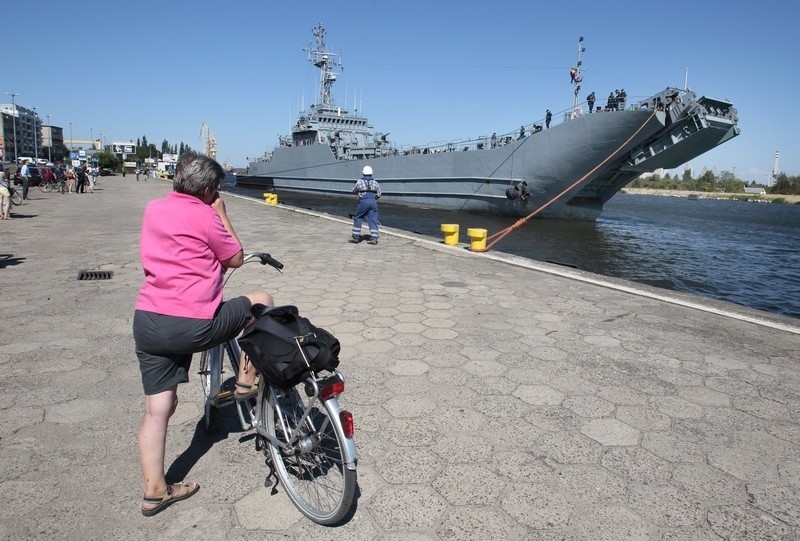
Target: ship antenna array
point(325, 61)
point(576, 75)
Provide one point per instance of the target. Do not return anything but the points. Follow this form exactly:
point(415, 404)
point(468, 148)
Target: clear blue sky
point(423, 71)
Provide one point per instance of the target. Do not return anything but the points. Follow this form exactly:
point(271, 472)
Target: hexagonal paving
point(493, 398)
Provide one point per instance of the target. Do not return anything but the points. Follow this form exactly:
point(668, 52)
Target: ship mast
point(325, 61)
point(576, 76)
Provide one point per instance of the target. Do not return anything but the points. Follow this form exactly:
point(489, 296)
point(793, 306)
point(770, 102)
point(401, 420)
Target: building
point(32, 136)
point(27, 126)
point(53, 143)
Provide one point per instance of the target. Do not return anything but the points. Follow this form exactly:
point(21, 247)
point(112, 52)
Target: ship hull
point(556, 163)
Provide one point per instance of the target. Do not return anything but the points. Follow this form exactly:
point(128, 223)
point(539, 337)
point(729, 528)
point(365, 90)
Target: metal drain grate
point(95, 275)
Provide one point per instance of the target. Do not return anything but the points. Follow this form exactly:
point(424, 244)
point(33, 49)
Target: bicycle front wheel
point(309, 463)
point(211, 379)
point(47, 187)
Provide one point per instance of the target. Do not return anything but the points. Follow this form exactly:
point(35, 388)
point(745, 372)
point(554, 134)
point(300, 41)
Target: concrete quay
point(494, 397)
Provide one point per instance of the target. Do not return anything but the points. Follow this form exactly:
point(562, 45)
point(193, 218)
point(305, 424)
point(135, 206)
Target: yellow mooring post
point(450, 234)
point(271, 198)
point(477, 239)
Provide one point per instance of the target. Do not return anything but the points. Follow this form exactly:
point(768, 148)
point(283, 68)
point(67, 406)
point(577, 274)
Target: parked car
point(34, 177)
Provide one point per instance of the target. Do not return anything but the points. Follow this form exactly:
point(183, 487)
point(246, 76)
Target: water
point(742, 252)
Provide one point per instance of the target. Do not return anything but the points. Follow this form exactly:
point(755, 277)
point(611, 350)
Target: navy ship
point(571, 169)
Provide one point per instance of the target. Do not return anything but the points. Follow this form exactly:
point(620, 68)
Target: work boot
point(372, 241)
point(355, 240)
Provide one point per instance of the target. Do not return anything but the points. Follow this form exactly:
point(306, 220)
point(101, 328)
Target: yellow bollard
point(477, 239)
point(267, 197)
point(274, 199)
point(271, 198)
point(450, 234)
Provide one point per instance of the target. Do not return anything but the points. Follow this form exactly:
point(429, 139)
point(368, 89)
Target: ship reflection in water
point(736, 251)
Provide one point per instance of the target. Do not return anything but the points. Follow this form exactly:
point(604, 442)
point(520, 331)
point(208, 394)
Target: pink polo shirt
point(181, 246)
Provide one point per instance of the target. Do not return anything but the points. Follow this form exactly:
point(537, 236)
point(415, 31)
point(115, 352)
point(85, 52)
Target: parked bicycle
point(56, 184)
point(303, 431)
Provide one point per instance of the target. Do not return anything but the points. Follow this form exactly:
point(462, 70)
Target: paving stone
point(745, 522)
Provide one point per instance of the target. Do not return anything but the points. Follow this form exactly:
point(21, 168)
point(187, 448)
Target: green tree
point(708, 182)
point(786, 185)
point(107, 160)
point(142, 149)
point(729, 183)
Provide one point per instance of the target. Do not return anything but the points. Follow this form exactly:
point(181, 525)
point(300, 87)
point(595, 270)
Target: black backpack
point(273, 343)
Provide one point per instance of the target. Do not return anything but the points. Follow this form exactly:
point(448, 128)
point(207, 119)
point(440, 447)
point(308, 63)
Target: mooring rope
point(500, 235)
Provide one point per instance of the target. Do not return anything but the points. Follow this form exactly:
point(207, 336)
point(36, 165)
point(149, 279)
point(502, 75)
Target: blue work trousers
point(367, 209)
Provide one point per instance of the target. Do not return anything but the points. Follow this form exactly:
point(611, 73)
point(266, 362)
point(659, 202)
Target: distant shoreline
point(792, 199)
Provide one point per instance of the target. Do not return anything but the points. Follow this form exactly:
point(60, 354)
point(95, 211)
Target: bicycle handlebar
point(265, 259)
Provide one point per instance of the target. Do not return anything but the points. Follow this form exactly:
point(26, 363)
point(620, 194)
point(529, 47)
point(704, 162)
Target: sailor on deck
point(369, 191)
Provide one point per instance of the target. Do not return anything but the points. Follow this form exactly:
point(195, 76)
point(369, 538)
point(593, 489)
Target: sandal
point(245, 391)
point(175, 493)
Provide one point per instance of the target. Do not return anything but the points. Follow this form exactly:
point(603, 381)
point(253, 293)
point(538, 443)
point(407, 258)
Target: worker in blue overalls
point(369, 191)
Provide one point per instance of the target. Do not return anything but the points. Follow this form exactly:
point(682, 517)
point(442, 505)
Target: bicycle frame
point(216, 396)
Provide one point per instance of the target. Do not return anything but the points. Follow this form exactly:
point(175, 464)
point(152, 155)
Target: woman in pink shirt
point(187, 243)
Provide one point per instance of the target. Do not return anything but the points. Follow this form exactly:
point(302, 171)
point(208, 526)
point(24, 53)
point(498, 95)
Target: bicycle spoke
point(310, 466)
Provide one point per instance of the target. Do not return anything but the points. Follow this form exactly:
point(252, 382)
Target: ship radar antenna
point(576, 75)
point(325, 61)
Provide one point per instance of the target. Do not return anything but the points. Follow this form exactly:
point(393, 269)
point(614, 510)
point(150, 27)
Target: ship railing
point(484, 142)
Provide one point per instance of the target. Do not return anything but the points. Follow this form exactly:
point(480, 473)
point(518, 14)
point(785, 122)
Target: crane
point(209, 141)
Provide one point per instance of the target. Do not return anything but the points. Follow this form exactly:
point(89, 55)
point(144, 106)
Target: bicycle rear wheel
point(16, 198)
point(46, 187)
point(311, 466)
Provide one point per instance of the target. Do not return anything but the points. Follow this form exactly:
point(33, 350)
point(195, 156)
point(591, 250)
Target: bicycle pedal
point(225, 395)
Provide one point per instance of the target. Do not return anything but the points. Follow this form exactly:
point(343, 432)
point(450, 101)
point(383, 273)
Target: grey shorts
point(165, 344)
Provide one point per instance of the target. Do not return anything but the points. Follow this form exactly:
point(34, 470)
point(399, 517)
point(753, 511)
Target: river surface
point(737, 251)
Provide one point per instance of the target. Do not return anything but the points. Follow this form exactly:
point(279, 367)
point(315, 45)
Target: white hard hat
point(367, 170)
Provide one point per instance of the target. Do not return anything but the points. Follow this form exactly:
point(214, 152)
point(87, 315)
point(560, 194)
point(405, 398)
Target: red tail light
point(347, 424)
point(334, 389)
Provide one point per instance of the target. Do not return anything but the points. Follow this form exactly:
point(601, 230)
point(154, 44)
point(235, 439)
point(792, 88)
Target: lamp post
point(14, 120)
point(91, 136)
point(35, 138)
point(70, 139)
point(50, 141)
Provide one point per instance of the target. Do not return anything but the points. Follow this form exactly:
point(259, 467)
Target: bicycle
point(16, 198)
point(56, 184)
point(303, 431)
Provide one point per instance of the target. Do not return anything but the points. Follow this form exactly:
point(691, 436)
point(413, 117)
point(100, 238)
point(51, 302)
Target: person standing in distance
point(25, 175)
point(369, 191)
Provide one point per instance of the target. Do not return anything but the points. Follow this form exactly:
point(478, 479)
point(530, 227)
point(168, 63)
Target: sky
point(422, 71)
